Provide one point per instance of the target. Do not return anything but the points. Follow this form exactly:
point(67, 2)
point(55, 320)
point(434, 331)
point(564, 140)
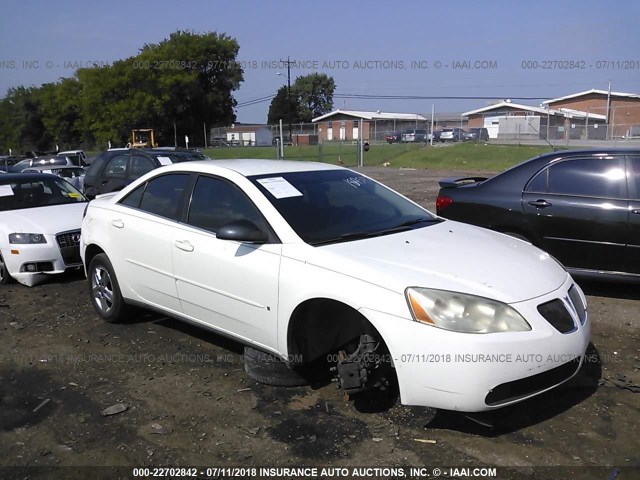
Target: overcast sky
point(504, 49)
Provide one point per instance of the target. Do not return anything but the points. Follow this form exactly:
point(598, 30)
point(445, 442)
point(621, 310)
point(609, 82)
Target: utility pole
point(289, 97)
point(609, 135)
point(289, 109)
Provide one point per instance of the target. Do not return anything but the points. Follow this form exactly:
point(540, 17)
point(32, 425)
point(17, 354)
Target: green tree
point(187, 80)
point(315, 95)
point(282, 109)
point(311, 96)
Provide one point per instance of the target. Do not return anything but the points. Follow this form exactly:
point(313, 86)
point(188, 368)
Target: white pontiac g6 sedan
point(317, 264)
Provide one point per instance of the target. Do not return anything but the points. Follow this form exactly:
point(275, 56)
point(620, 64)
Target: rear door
point(633, 239)
point(579, 210)
point(142, 225)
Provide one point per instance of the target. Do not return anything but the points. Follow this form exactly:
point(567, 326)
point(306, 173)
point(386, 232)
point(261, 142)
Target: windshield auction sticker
point(6, 190)
point(279, 187)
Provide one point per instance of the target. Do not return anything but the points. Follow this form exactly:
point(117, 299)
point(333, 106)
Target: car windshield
point(37, 193)
point(333, 206)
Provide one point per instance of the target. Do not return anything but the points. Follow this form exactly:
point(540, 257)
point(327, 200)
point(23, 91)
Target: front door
point(229, 285)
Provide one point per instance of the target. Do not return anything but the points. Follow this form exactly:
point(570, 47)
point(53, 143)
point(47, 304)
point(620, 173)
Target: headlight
point(460, 312)
point(27, 238)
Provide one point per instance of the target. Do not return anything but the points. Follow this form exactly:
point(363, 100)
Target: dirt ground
point(189, 403)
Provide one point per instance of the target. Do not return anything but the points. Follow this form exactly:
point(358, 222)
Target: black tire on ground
point(270, 370)
point(5, 278)
point(104, 290)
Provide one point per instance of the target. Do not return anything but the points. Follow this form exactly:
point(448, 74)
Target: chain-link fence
point(593, 125)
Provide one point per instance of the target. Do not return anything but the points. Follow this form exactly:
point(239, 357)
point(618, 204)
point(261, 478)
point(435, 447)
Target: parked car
point(116, 168)
point(391, 293)
point(393, 137)
point(477, 134)
point(77, 157)
point(452, 135)
point(39, 162)
point(436, 136)
point(6, 162)
point(40, 217)
point(73, 175)
point(414, 135)
point(581, 206)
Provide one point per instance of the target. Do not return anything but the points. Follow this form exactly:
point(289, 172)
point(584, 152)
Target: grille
point(69, 243)
point(555, 312)
point(510, 391)
point(68, 239)
point(578, 304)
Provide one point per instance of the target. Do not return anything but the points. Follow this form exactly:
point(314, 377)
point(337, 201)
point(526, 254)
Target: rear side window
point(585, 177)
point(162, 195)
point(117, 167)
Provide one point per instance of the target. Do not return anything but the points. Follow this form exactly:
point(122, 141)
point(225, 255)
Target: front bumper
point(29, 264)
point(480, 372)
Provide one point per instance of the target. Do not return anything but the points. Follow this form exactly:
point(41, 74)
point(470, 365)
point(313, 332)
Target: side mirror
point(242, 231)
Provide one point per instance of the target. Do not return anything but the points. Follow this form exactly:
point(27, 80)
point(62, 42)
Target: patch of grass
point(336, 153)
point(469, 156)
point(462, 156)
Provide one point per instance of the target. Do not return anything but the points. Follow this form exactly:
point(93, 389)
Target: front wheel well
point(321, 326)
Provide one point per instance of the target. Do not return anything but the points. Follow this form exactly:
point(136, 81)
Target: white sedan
point(40, 217)
point(314, 264)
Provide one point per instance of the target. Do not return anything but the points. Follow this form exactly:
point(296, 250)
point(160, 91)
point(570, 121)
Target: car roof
point(19, 177)
point(248, 167)
point(591, 152)
point(56, 167)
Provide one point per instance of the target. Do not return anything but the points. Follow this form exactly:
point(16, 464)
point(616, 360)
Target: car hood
point(448, 256)
point(48, 220)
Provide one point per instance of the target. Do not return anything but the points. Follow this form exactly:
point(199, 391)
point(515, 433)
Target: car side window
point(587, 177)
point(140, 165)
point(539, 182)
point(117, 167)
point(634, 178)
point(163, 194)
point(134, 197)
point(215, 203)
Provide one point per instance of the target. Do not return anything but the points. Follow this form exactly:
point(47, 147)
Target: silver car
point(72, 174)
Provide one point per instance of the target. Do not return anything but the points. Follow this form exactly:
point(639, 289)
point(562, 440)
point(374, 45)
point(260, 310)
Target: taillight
point(442, 202)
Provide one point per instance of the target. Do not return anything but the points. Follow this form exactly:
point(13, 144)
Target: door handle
point(117, 223)
point(540, 203)
point(184, 245)
point(636, 211)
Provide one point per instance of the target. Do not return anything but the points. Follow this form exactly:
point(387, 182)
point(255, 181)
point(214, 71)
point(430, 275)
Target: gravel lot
point(189, 402)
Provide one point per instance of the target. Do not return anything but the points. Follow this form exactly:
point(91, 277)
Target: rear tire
point(270, 370)
point(104, 290)
point(5, 278)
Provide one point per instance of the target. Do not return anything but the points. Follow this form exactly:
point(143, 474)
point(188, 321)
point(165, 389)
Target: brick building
point(347, 125)
point(623, 114)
